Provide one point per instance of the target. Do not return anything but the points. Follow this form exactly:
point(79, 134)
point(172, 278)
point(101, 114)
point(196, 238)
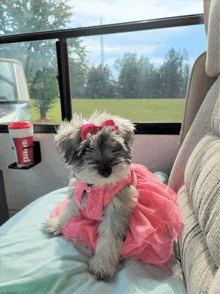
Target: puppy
point(117, 209)
point(102, 158)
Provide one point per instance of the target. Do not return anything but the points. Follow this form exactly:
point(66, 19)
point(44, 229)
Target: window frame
point(63, 68)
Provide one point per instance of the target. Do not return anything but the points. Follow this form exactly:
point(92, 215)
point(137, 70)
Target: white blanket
point(32, 261)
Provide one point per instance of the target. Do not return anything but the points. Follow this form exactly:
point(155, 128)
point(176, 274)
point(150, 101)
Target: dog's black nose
point(105, 171)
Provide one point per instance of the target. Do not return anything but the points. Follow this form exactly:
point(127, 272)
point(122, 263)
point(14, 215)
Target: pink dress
point(153, 226)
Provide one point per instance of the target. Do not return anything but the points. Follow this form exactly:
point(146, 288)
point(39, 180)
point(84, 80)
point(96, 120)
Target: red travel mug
point(21, 134)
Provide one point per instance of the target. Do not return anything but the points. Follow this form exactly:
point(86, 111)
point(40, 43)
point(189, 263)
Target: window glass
point(140, 75)
point(92, 13)
point(25, 16)
point(39, 61)
point(7, 82)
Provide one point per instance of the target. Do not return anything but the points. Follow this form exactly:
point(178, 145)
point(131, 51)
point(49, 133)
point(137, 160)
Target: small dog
point(117, 209)
point(103, 157)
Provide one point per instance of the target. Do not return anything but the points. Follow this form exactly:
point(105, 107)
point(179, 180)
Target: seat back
point(198, 86)
point(196, 172)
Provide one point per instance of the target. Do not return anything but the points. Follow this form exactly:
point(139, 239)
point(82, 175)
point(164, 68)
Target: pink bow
point(92, 129)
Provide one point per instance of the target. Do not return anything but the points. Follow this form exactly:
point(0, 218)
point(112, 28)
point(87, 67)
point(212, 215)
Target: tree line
point(39, 58)
point(136, 78)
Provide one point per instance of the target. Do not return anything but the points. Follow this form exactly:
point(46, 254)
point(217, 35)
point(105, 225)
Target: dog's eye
point(83, 149)
point(116, 162)
point(117, 148)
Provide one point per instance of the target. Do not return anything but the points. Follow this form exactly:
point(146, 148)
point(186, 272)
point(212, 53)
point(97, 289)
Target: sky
point(154, 44)
point(89, 12)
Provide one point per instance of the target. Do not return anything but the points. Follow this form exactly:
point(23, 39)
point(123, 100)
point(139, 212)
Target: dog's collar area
point(88, 190)
point(89, 185)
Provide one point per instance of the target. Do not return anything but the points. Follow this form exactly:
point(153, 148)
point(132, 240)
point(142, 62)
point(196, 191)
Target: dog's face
point(101, 158)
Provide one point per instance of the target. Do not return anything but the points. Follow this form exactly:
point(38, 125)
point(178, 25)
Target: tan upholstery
point(196, 172)
point(199, 128)
point(197, 263)
point(213, 42)
point(199, 202)
point(198, 86)
point(206, 8)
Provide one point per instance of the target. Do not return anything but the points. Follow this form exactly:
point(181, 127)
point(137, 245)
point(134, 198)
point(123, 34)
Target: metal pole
point(64, 79)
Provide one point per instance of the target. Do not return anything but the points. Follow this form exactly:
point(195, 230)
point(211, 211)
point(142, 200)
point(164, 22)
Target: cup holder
point(36, 157)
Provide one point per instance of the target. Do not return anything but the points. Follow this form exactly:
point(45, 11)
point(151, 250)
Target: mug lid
point(20, 125)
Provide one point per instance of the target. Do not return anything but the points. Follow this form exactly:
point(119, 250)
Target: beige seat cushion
point(202, 178)
point(199, 202)
point(196, 178)
point(198, 86)
point(200, 127)
point(197, 263)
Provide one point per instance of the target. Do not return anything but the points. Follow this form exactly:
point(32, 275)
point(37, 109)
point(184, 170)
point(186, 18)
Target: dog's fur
point(110, 151)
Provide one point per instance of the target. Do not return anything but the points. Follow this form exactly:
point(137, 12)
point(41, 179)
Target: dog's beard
point(89, 174)
point(103, 158)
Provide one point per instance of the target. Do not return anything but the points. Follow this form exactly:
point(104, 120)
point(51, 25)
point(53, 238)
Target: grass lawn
point(137, 110)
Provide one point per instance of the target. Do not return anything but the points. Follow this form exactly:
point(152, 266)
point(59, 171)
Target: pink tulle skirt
point(153, 226)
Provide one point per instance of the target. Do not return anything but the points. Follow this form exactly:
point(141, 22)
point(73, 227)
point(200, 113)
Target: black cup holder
point(36, 157)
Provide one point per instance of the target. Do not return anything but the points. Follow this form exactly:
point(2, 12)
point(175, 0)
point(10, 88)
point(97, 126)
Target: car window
point(7, 82)
point(140, 75)
point(34, 16)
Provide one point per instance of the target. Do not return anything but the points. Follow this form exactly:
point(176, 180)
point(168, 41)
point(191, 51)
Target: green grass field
point(137, 110)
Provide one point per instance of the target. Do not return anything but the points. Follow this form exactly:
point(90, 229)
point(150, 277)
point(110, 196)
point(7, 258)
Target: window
point(94, 12)
point(45, 15)
point(140, 75)
point(7, 82)
point(40, 66)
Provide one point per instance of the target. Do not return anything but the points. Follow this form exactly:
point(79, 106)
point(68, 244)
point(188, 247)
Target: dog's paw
point(101, 271)
point(53, 226)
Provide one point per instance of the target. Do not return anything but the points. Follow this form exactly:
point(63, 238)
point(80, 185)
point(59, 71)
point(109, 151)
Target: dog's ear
point(68, 137)
point(125, 128)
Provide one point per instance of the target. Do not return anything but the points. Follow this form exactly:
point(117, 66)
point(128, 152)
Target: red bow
point(92, 129)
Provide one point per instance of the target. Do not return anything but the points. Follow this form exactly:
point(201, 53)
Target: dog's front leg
point(113, 228)
point(55, 225)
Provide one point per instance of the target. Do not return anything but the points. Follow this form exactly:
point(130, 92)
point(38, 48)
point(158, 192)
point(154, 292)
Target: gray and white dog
point(103, 157)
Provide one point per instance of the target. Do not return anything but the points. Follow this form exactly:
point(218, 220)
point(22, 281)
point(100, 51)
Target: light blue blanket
point(32, 261)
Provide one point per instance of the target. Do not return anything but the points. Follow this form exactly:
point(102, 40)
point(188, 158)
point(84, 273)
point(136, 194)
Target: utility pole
point(102, 46)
